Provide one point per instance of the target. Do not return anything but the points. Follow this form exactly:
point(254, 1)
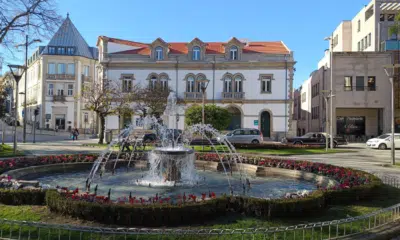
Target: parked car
point(383, 141)
point(315, 138)
point(175, 134)
point(244, 135)
point(149, 137)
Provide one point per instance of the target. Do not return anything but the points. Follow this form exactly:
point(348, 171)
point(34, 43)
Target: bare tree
point(152, 101)
point(99, 98)
point(124, 96)
point(17, 15)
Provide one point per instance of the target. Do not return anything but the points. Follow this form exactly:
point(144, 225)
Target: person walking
point(75, 134)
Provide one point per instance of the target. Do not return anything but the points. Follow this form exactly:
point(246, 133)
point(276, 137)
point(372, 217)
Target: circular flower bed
point(353, 185)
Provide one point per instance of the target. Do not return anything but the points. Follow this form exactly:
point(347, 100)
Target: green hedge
point(139, 215)
point(274, 146)
point(22, 197)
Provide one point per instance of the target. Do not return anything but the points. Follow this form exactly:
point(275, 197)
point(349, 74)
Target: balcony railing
point(194, 95)
point(58, 98)
point(359, 88)
point(61, 76)
point(233, 95)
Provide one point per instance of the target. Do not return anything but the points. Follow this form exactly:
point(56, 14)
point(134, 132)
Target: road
point(41, 135)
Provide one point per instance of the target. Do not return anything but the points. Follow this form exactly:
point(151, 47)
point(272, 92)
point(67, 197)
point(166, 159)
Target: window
point(228, 84)
point(358, 26)
point(164, 83)
point(127, 84)
point(61, 51)
point(71, 68)
point(266, 84)
point(359, 46)
point(86, 71)
point(390, 17)
point(348, 83)
point(371, 83)
point(51, 68)
point(70, 89)
point(199, 83)
point(196, 53)
point(369, 39)
point(61, 68)
point(382, 18)
point(70, 51)
point(50, 89)
point(159, 53)
point(238, 84)
point(233, 53)
point(190, 84)
point(362, 44)
point(60, 89)
point(52, 50)
point(359, 83)
point(153, 82)
point(366, 42)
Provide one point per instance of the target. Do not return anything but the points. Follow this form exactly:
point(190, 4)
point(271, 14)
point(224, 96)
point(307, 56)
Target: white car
point(383, 141)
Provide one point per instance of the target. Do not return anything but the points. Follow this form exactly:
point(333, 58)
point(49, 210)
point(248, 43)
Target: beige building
point(55, 76)
point(361, 103)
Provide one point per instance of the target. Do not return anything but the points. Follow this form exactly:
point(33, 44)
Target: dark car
point(315, 138)
point(149, 137)
point(175, 134)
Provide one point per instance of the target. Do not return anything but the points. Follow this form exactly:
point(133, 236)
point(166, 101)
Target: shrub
point(22, 197)
point(218, 117)
point(153, 215)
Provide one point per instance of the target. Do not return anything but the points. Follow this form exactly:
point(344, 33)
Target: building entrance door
point(60, 121)
point(266, 124)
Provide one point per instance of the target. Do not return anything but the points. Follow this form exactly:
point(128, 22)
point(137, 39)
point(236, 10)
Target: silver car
point(245, 135)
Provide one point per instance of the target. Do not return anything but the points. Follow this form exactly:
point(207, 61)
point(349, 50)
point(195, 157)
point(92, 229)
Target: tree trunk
point(102, 128)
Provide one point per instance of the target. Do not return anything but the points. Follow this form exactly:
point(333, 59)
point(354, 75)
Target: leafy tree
point(218, 117)
point(395, 28)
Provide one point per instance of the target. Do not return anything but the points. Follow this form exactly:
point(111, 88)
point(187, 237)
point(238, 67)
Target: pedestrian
point(75, 134)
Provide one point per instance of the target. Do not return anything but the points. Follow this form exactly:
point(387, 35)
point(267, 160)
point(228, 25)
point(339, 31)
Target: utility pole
point(26, 81)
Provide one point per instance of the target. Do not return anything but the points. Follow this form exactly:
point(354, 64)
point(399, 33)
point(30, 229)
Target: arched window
point(228, 84)
point(199, 84)
point(233, 53)
point(196, 53)
point(159, 53)
point(238, 84)
point(153, 82)
point(164, 82)
point(190, 84)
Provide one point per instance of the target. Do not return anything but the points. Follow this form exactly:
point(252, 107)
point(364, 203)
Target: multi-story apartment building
point(251, 79)
point(55, 76)
point(361, 105)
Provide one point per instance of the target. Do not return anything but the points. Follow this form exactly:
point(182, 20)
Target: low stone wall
point(28, 173)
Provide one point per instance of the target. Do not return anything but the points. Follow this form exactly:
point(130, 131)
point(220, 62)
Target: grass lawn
point(389, 196)
point(293, 151)
point(7, 151)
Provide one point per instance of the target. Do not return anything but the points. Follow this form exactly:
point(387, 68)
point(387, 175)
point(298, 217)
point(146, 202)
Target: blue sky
point(302, 25)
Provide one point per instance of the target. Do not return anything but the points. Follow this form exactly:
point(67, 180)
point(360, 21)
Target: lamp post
point(328, 123)
point(16, 71)
point(26, 44)
point(330, 39)
point(390, 75)
point(203, 85)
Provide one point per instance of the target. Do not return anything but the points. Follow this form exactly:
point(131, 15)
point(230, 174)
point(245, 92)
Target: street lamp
point(203, 85)
point(331, 66)
point(16, 71)
point(328, 124)
point(390, 75)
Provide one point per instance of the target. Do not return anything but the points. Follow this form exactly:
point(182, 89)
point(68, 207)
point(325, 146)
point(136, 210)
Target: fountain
point(169, 169)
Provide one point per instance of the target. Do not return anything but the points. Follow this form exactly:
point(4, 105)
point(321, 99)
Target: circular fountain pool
point(123, 182)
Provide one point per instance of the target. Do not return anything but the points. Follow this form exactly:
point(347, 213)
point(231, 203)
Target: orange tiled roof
point(277, 47)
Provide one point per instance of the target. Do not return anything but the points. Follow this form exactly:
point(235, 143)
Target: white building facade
point(55, 76)
point(253, 80)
